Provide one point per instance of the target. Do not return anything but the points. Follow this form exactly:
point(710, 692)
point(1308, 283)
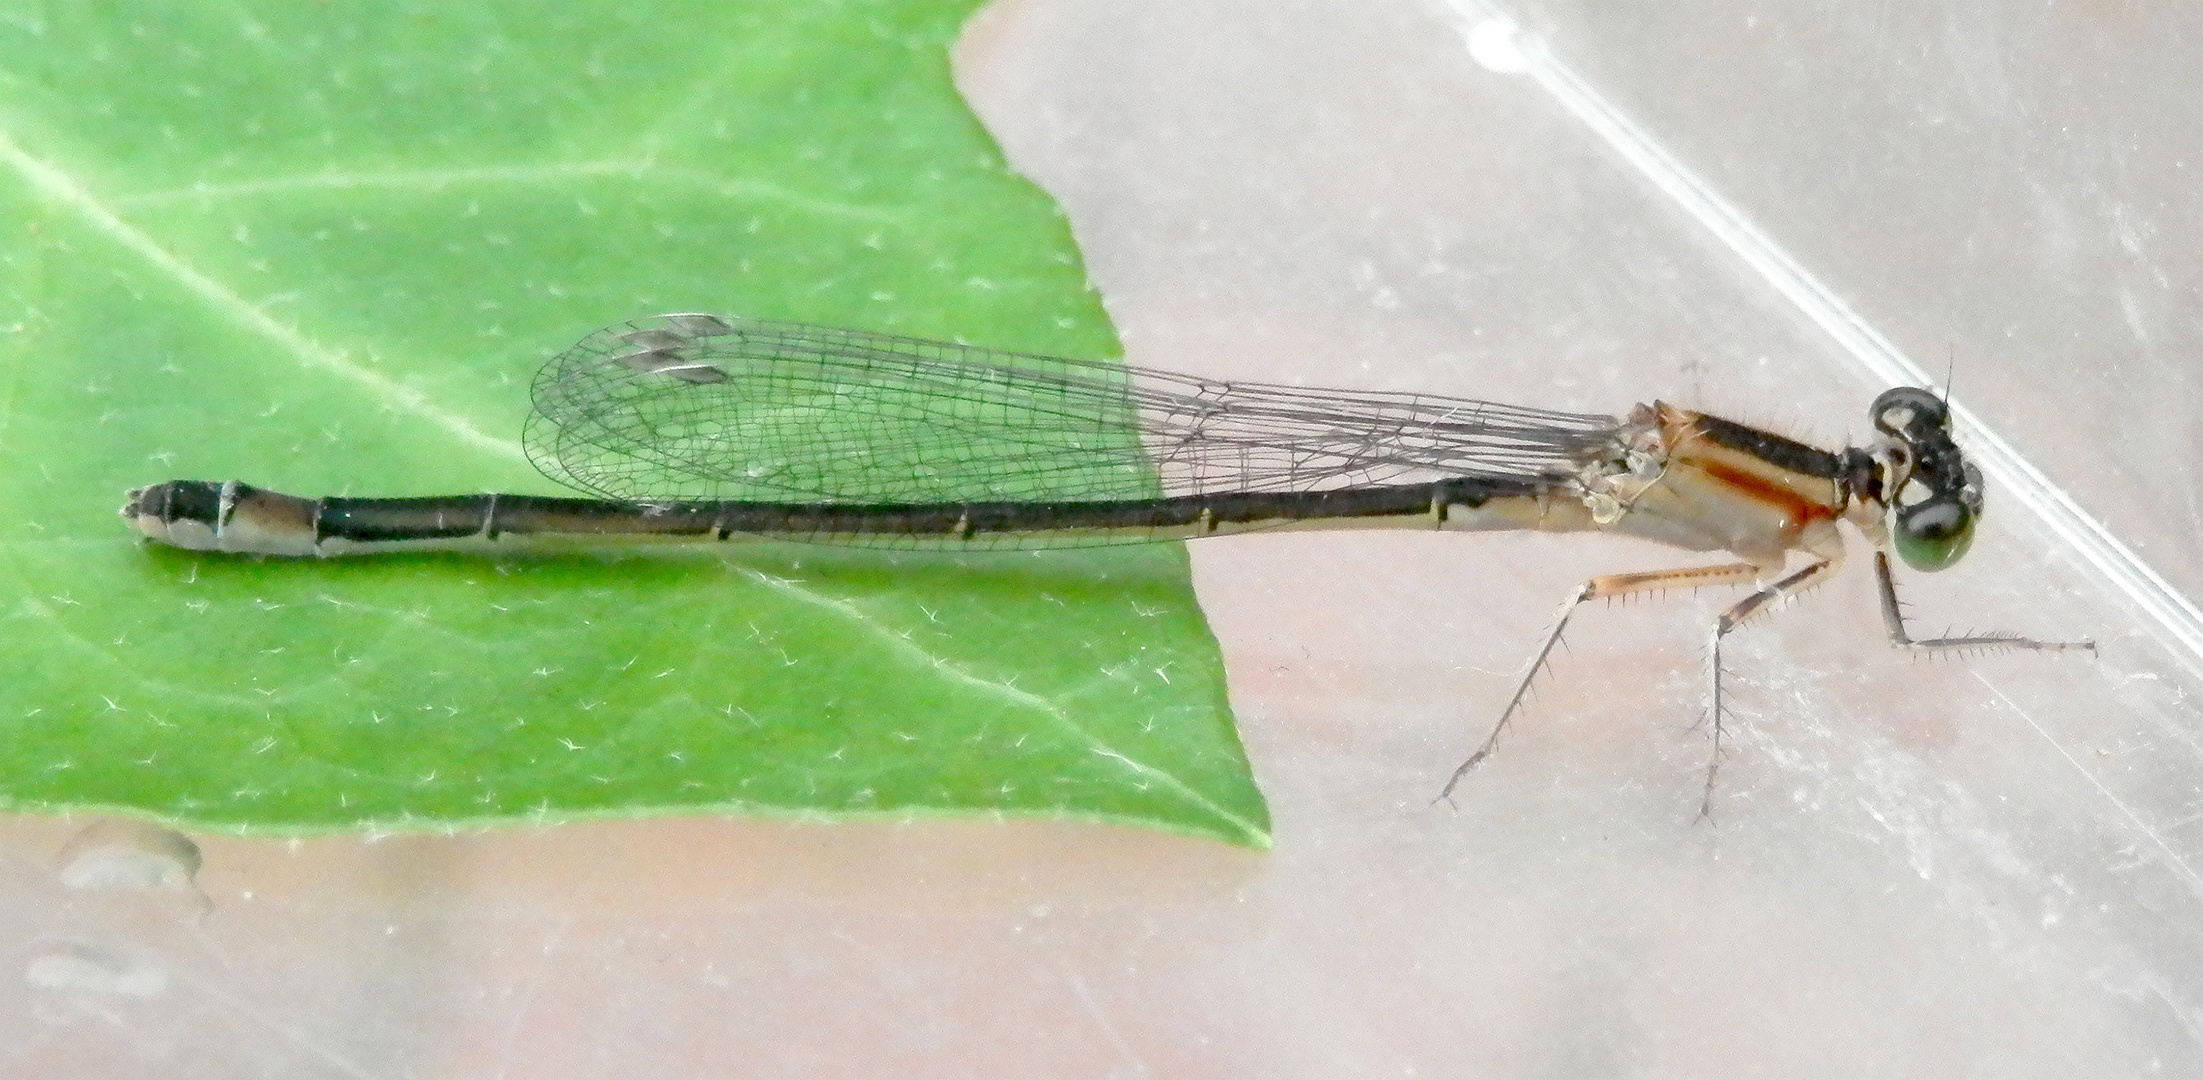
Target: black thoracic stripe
point(1794, 456)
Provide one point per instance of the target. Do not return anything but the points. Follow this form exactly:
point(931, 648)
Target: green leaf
point(322, 248)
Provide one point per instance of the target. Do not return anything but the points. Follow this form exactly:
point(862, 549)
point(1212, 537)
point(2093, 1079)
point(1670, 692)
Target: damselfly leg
point(1893, 617)
point(1599, 588)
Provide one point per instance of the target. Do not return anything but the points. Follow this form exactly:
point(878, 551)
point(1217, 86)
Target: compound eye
point(1908, 410)
point(1934, 534)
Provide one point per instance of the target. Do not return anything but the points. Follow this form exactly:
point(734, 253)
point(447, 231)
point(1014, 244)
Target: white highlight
point(1492, 43)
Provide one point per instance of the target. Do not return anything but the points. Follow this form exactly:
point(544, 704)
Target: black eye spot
point(1936, 520)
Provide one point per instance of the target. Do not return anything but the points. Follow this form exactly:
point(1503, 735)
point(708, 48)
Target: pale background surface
point(1973, 868)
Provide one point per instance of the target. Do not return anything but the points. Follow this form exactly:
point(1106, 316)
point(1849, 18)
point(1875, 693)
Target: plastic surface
point(1980, 866)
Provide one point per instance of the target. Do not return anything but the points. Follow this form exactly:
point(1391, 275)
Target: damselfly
point(703, 428)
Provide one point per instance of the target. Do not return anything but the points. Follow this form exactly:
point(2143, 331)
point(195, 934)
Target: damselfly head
point(1932, 492)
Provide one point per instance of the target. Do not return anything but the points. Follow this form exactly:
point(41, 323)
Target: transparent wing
point(696, 407)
